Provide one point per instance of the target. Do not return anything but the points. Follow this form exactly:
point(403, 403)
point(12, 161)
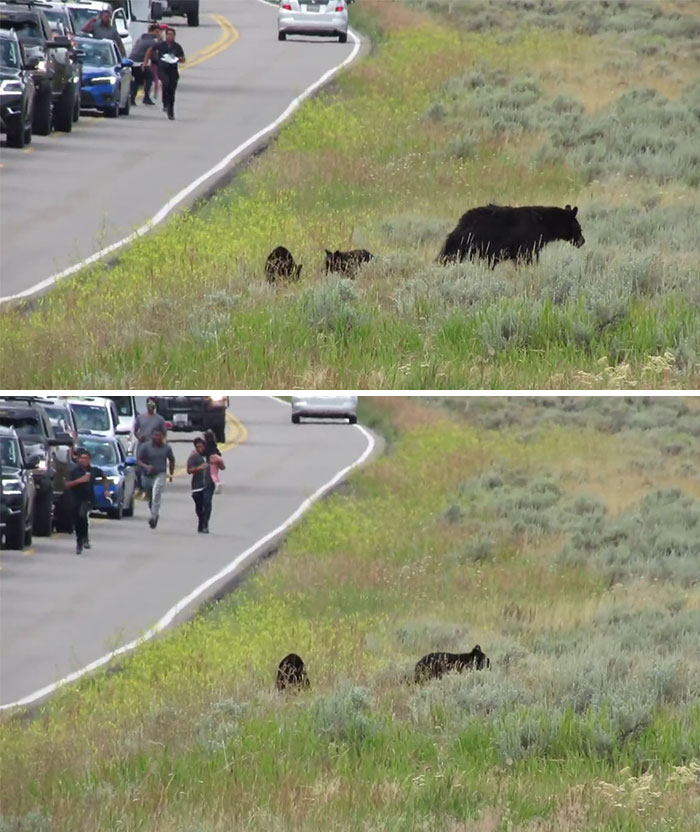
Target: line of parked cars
point(50, 69)
point(38, 435)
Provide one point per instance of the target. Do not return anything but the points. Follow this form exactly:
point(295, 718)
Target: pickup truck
point(183, 8)
point(195, 413)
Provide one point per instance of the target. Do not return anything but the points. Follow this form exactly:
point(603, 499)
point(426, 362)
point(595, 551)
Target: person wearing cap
point(144, 425)
point(142, 73)
point(80, 485)
point(169, 55)
point(101, 26)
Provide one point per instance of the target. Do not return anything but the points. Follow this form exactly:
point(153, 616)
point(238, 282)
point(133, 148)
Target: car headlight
point(114, 480)
point(103, 79)
point(11, 487)
point(10, 87)
point(217, 399)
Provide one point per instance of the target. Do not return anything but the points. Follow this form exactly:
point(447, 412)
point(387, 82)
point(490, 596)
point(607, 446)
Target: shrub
point(342, 717)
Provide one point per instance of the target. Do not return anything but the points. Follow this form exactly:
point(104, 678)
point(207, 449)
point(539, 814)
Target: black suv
point(195, 413)
point(17, 490)
point(33, 427)
point(57, 74)
point(17, 99)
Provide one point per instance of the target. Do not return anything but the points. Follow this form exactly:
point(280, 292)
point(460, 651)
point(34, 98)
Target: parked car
point(56, 73)
point(18, 490)
point(95, 414)
point(313, 17)
point(16, 90)
point(194, 413)
point(33, 427)
point(106, 82)
point(321, 406)
point(108, 454)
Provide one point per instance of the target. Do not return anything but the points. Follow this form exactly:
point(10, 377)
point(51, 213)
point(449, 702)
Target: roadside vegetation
point(458, 104)
point(562, 536)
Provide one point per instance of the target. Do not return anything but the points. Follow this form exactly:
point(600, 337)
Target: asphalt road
point(73, 194)
point(59, 612)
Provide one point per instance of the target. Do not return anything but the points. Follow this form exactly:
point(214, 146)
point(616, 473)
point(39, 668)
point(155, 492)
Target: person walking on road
point(202, 486)
point(80, 484)
point(101, 26)
point(212, 454)
point(144, 426)
point(154, 458)
point(169, 55)
point(142, 74)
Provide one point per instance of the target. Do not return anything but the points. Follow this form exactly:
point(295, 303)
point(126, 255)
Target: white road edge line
point(185, 192)
point(187, 600)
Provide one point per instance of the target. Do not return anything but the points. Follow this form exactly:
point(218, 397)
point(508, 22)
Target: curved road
point(59, 612)
point(73, 194)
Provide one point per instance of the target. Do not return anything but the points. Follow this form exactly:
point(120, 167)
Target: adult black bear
point(347, 262)
point(291, 673)
point(499, 232)
point(435, 665)
point(280, 263)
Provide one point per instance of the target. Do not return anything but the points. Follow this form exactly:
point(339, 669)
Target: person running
point(80, 484)
point(142, 74)
point(102, 26)
point(212, 454)
point(144, 426)
point(202, 486)
point(169, 55)
point(154, 458)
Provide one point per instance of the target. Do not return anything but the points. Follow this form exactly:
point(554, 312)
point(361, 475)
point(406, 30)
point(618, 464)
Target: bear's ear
point(567, 207)
point(328, 253)
point(574, 210)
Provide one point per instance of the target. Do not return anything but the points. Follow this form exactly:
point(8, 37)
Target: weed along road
point(71, 195)
point(60, 612)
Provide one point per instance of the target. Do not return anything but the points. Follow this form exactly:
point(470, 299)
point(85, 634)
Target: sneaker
point(165, 109)
point(133, 102)
point(205, 531)
point(151, 522)
point(171, 116)
point(79, 549)
point(86, 544)
point(217, 490)
point(148, 101)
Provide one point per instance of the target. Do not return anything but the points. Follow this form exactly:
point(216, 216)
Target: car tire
point(111, 112)
point(281, 36)
point(193, 18)
point(63, 112)
point(43, 514)
point(343, 37)
point(41, 119)
point(16, 137)
point(124, 111)
point(28, 536)
point(118, 512)
point(76, 108)
point(352, 419)
point(296, 419)
point(129, 510)
point(15, 532)
point(28, 133)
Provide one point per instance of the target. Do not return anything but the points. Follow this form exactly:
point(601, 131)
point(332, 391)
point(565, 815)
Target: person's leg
point(80, 523)
point(147, 84)
point(165, 85)
point(175, 77)
point(136, 81)
point(147, 485)
point(197, 497)
point(207, 497)
point(158, 483)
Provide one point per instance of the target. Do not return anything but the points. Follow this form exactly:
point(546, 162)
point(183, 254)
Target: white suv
point(94, 414)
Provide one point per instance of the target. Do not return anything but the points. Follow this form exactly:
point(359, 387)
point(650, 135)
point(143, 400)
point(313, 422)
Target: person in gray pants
point(154, 458)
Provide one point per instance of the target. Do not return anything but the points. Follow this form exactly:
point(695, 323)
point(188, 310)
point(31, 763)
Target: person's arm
point(147, 59)
point(181, 56)
point(171, 460)
point(120, 43)
point(105, 483)
point(193, 469)
point(88, 26)
point(79, 481)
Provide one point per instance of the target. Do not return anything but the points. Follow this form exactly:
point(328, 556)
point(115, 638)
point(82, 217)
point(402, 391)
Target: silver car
point(324, 407)
point(313, 17)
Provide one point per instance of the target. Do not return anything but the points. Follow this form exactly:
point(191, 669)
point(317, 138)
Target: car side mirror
point(33, 62)
point(33, 461)
point(130, 460)
point(58, 43)
point(79, 54)
point(156, 10)
point(61, 439)
point(127, 62)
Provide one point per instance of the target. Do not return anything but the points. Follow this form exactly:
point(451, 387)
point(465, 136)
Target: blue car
point(106, 79)
point(108, 454)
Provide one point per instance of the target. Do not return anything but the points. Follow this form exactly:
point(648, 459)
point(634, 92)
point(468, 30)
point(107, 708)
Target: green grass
point(588, 720)
point(457, 105)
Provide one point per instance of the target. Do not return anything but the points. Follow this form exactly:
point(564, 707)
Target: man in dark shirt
point(169, 55)
point(142, 74)
point(79, 483)
point(202, 486)
point(154, 458)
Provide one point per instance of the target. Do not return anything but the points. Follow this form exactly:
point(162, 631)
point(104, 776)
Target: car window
point(123, 404)
point(98, 54)
point(9, 54)
point(24, 426)
point(81, 16)
point(91, 417)
point(26, 29)
point(103, 453)
point(9, 452)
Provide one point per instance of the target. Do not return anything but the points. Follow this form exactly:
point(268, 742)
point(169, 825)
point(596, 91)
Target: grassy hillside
point(460, 103)
point(561, 536)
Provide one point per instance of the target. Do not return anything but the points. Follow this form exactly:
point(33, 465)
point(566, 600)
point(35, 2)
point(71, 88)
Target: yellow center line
point(229, 35)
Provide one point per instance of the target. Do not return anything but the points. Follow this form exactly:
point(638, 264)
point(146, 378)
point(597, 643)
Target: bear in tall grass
point(291, 673)
point(280, 263)
point(500, 232)
point(435, 665)
point(347, 262)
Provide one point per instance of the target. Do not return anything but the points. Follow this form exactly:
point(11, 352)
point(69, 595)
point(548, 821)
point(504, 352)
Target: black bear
point(347, 262)
point(500, 232)
point(280, 263)
point(435, 665)
point(291, 673)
